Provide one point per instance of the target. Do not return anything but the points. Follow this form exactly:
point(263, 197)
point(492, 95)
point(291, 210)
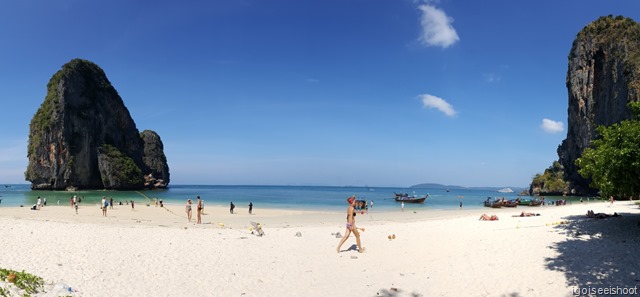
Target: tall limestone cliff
point(83, 136)
point(603, 76)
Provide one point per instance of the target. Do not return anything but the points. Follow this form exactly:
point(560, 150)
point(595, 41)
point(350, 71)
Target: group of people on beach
point(601, 215)
point(105, 203)
point(39, 203)
point(200, 209)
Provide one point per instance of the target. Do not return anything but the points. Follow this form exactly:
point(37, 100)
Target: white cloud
point(436, 27)
point(492, 77)
point(551, 126)
point(430, 101)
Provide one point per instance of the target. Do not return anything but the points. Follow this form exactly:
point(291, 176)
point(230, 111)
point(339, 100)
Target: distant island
point(452, 187)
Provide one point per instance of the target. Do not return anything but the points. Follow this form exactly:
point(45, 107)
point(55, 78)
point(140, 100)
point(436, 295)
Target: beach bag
point(106, 203)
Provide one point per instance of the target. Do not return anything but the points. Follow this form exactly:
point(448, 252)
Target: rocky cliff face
point(603, 76)
point(154, 159)
point(83, 136)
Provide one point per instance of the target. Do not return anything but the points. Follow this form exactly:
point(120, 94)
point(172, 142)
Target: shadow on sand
point(599, 252)
point(396, 293)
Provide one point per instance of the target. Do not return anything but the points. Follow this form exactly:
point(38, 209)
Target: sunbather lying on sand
point(527, 214)
point(486, 217)
point(601, 215)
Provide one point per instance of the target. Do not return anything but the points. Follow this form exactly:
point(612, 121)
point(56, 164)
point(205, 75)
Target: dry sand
point(153, 251)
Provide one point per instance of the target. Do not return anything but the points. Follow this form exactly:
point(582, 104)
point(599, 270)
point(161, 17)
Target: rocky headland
point(602, 77)
point(83, 137)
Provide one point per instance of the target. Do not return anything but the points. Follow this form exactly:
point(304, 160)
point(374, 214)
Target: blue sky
point(332, 92)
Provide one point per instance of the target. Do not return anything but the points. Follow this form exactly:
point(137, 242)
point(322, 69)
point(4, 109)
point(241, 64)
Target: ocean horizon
point(330, 198)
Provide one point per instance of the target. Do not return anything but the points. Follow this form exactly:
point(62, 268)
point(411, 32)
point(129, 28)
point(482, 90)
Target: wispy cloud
point(436, 27)
point(551, 126)
point(496, 75)
point(492, 77)
point(430, 101)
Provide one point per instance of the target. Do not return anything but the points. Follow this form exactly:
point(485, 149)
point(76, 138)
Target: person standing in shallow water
point(351, 225)
point(231, 207)
point(199, 211)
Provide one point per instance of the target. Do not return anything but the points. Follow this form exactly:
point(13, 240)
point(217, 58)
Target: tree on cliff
point(613, 160)
point(551, 182)
point(603, 75)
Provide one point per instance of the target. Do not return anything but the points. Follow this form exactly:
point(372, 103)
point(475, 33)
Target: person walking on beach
point(104, 204)
point(231, 207)
point(611, 199)
point(38, 203)
point(132, 206)
point(44, 201)
point(250, 207)
point(371, 204)
point(110, 202)
point(188, 209)
point(351, 225)
point(402, 205)
point(199, 210)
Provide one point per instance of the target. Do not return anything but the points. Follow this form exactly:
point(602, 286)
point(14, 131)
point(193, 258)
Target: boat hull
point(411, 200)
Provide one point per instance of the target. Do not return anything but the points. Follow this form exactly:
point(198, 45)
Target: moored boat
point(506, 190)
point(493, 203)
point(535, 203)
point(411, 198)
point(510, 203)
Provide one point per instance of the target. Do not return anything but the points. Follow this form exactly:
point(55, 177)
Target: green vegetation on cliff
point(613, 160)
point(551, 181)
point(44, 119)
point(123, 167)
point(624, 33)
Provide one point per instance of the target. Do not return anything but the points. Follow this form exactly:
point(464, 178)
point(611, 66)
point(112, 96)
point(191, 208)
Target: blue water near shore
point(285, 197)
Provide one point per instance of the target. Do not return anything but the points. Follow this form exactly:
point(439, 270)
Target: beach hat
point(351, 199)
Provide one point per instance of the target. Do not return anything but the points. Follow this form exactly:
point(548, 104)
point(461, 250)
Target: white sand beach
point(153, 251)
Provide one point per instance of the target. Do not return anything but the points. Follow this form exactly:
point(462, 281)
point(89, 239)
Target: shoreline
point(155, 251)
point(175, 215)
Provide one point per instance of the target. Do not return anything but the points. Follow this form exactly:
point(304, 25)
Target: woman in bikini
point(188, 209)
point(486, 217)
point(351, 225)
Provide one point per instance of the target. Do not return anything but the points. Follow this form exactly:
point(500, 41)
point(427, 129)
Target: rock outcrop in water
point(83, 137)
point(603, 76)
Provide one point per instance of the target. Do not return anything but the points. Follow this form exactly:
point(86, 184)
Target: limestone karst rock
point(603, 76)
point(83, 136)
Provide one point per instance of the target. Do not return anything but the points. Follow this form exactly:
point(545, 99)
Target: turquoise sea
point(286, 197)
